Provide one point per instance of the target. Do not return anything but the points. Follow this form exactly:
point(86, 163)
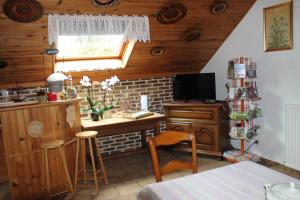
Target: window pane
point(89, 46)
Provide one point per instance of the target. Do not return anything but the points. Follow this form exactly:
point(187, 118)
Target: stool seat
point(52, 144)
point(86, 134)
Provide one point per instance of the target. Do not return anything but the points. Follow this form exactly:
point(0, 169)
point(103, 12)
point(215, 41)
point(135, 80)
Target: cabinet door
point(206, 137)
point(3, 167)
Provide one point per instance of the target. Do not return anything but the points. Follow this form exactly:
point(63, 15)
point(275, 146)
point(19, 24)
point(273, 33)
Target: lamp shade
point(56, 76)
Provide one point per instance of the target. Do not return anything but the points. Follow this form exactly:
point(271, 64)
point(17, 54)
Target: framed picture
point(278, 27)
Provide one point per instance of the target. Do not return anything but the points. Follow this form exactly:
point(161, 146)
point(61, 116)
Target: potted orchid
point(99, 107)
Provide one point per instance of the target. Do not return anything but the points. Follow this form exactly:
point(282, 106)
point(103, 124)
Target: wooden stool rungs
point(81, 137)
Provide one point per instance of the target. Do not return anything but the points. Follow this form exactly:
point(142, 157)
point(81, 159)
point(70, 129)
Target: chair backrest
point(171, 138)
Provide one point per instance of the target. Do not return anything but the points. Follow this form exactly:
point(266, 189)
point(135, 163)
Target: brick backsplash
point(126, 95)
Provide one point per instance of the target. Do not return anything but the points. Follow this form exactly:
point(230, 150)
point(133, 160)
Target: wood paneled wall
point(22, 44)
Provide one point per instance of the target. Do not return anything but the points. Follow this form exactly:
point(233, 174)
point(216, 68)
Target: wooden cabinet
point(3, 167)
point(209, 121)
point(61, 120)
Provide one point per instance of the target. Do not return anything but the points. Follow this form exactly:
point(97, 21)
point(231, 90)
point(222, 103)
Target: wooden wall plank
point(22, 44)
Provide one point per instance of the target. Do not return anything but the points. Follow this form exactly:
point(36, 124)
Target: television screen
point(200, 86)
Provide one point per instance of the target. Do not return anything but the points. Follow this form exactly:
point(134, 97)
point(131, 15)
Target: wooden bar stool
point(51, 145)
point(81, 137)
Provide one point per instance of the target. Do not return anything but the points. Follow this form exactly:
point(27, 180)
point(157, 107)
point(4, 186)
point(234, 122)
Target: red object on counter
point(52, 96)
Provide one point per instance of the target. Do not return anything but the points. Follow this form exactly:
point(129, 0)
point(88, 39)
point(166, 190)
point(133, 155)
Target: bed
point(240, 181)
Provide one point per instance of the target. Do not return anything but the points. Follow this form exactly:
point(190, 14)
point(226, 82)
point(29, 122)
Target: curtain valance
point(134, 28)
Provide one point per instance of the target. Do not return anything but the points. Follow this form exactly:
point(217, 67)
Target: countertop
point(35, 105)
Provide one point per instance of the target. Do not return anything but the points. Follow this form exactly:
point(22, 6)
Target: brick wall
point(126, 95)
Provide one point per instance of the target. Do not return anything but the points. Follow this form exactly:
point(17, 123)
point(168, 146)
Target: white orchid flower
point(85, 81)
point(103, 83)
point(104, 87)
point(113, 80)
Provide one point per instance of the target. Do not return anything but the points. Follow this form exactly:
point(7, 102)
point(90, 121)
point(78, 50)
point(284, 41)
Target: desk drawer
point(205, 115)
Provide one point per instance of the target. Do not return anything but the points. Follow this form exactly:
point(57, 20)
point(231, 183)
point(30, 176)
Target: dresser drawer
point(204, 115)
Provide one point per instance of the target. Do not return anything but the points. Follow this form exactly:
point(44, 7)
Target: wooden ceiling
point(22, 44)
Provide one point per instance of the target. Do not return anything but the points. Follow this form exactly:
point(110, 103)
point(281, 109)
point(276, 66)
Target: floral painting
point(278, 27)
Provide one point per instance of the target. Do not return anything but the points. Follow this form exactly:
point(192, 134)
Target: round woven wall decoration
point(219, 7)
point(35, 129)
point(104, 3)
point(23, 10)
point(3, 64)
point(192, 35)
point(157, 51)
point(171, 14)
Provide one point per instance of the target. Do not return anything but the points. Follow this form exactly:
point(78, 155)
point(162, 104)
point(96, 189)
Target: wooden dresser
point(209, 121)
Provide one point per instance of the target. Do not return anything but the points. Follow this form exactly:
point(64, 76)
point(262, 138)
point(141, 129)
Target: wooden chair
point(171, 138)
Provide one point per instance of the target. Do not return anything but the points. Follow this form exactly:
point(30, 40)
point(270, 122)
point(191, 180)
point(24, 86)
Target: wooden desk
point(118, 125)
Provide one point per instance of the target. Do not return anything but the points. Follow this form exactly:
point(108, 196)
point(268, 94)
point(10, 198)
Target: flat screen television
point(201, 86)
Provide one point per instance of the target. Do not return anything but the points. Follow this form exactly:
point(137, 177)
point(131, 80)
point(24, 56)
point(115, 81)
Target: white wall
point(278, 76)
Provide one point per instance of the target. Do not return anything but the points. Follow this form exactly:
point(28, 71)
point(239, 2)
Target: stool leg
point(94, 166)
point(63, 158)
point(42, 169)
point(76, 165)
point(101, 162)
point(83, 155)
point(43, 172)
point(47, 171)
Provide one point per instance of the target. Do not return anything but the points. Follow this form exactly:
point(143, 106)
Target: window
point(88, 53)
point(80, 47)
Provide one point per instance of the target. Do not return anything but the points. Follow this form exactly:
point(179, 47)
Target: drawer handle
point(178, 128)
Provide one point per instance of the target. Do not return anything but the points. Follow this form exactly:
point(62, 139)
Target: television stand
point(209, 101)
point(209, 121)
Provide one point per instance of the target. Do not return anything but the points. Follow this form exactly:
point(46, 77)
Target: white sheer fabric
point(134, 28)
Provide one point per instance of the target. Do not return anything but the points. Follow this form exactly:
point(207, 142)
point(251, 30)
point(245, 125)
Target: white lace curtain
point(134, 28)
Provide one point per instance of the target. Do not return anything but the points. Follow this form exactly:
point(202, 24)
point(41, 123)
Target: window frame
point(123, 57)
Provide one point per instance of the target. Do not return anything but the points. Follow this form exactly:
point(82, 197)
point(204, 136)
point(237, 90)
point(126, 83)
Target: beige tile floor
point(127, 176)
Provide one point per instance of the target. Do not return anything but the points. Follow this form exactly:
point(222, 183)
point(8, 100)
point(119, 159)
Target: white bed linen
point(240, 181)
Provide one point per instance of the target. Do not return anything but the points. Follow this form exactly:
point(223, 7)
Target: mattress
point(240, 181)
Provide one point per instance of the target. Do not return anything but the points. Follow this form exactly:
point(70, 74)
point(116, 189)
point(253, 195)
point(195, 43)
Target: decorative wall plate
point(171, 14)
point(219, 7)
point(35, 129)
point(23, 10)
point(192, 35)
point(157, 51)
point(2, 64)
point(104, 3)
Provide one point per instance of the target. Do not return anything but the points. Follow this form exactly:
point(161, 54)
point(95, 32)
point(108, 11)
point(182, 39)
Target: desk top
point(118, 120)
